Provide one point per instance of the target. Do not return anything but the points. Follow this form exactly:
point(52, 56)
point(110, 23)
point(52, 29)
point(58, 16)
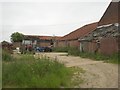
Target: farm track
point(97, 73)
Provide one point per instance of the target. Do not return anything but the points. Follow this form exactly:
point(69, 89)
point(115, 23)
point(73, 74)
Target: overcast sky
point(48, 18)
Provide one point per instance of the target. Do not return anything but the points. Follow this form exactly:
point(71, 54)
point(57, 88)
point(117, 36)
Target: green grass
point(115, 58)
point(95, 56)
point(6, 56)
point(70, 50)
point(73, 51)
point(61, 49)
point(0, 68)
point(28, 72)
point(0, 74)
point(100, 57)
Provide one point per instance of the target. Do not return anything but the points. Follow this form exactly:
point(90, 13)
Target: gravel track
point(97, 73)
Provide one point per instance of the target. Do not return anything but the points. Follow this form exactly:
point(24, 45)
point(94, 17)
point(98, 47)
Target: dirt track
point(97, 73)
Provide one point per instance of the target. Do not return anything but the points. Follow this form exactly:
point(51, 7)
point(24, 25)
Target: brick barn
point(99, 37)
point(104, 39)
point(71, 39)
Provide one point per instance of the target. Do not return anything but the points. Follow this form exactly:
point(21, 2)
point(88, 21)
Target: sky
point(49, 18)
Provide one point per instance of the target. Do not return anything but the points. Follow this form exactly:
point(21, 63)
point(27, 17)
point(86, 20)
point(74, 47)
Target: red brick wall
point(44, 44)
point(73, 43)
point(61, 44)
point(108, 46)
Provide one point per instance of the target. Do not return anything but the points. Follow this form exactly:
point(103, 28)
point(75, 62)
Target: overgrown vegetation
point(27, 71)
point(61, 49)
point(110, 59)
point(70, 50)
point(6, 56)
point(95, 56)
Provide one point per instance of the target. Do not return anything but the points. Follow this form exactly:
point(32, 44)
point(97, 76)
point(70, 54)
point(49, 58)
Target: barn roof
point(111, 14)
point(80, 32)
point(42, 37)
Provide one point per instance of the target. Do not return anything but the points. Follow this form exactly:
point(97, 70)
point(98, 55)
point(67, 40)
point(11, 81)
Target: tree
point(17, 37)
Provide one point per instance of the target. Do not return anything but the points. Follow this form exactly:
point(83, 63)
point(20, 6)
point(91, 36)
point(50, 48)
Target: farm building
point(35, 40)
point(104, 39)
point(99, 37)
point(42, 41)
point(71, 39)
point(27, 40)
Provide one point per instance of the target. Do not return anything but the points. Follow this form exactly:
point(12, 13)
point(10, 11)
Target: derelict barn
point(101, 37)
point(104, 39)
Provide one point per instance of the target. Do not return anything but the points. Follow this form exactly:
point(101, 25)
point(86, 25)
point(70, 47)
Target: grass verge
point(95, 56)
point(100, 57)
point(28, 72)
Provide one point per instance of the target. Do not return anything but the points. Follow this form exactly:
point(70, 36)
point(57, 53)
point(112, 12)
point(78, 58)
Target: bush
point(30, 72)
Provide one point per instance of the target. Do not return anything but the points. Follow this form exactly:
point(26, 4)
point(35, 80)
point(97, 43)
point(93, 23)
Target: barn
point(105, 38)
point(71, 39)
